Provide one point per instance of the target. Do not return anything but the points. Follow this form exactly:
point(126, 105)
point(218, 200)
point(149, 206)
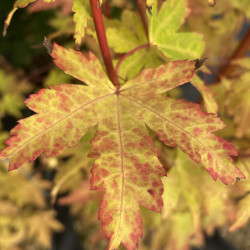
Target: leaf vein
point(175, 124)
point(60, 120)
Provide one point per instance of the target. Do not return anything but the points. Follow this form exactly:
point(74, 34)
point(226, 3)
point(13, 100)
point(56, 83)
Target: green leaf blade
point(163, 27)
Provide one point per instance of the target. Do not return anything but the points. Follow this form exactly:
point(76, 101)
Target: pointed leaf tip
point(48, 45)
point(7, 21)
point(149, 10)
point(199, 62)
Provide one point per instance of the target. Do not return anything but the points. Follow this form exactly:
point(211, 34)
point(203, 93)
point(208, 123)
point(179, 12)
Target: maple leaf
point(126, 165)
point(81, 16)
point(133, 64)
point(11, 91)
point(11, 238)
point(62, 24)
point(23, 214)
point(130, 27)
point(179, 186)
point(207, 95)
point(182, 226)
point(199, 204)
point(127, 35)
point(40, 226)
point(238, 99)
point(243, 211)
point(163, 27)
point(201, 20)
point(20, 196)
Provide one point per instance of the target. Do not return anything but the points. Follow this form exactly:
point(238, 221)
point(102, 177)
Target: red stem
point(228, 69)
point(101, 35)
point(142, 10)
point(129, 54)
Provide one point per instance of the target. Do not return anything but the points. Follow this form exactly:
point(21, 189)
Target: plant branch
point(102, 39)
point(228, 69)
point(142, 10)
point(147, 45)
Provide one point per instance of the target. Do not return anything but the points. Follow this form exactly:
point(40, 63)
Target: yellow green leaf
point(207, 95)
point(243, 5)
point(243, 213)
point(56, 76)
point(11, 91)
point(238, 104)
point(126, 34)
point(163, 27)
point(82, 11)
point(133, 64)
point(187, 189)
point(126, 165)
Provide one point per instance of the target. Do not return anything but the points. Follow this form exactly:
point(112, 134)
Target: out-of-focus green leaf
point(55, 77)
point(143, 58)
point(11, 98)
point(126, 34)
point(208, 96)
point(243, 5)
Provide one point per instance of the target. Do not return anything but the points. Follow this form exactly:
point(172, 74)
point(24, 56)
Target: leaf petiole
point(102, 39)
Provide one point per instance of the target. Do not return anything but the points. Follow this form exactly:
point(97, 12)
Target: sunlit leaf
point(163, 31)
point(126, 165)
point(82, 11)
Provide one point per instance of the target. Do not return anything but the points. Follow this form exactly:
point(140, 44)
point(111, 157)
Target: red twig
point(142, 10)
point(228, 69)
point(100, 31)
point(129, 54)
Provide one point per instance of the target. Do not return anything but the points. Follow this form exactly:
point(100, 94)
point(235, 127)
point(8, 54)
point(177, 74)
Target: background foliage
point(52, 194)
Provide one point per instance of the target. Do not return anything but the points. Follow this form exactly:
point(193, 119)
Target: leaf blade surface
point(163, 27)
point(126, 165)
